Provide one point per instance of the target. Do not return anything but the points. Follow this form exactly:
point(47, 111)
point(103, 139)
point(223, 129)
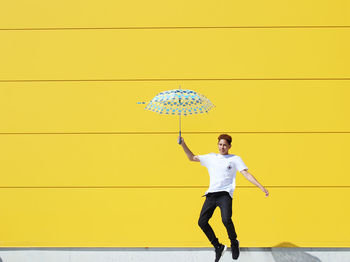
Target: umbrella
point(179, 102)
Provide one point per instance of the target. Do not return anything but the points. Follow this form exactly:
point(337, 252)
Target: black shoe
point(235, 249)
point(219, 251)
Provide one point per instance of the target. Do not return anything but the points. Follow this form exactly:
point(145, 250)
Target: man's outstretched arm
point(252, 179)
point(188, 152)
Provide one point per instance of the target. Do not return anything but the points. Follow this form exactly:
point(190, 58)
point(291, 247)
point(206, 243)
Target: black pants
point(224, 201)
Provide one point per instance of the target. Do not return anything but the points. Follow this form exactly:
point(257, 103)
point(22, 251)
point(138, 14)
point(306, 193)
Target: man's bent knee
point(227, 221)
point(202, 223)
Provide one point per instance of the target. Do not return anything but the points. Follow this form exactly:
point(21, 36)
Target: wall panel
point(145, 160)
point(108, 13)
point(241, 106)
point(175, 54)
point(168, 217)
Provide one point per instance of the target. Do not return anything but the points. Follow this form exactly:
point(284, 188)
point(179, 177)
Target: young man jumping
point(222, 170)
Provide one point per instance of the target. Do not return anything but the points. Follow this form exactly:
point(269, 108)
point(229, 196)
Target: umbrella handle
point(179, 139)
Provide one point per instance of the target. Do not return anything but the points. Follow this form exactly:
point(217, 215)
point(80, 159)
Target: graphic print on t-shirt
point(230, 166)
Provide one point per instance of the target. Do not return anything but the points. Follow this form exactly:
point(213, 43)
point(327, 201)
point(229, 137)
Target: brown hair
point(226, 137)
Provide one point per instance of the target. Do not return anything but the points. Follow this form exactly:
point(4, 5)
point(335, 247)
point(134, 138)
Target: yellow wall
point(83, 165)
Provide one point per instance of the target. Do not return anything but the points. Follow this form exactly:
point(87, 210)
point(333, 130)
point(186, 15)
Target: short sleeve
point(240, 164)
point(204, 159)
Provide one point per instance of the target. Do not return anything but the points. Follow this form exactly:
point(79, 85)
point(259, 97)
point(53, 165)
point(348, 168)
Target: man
point(222, 170)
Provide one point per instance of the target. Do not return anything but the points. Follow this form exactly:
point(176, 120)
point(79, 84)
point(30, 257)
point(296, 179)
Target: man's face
point(223, 147)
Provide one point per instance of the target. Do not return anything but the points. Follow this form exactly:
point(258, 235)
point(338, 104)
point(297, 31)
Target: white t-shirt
point(222, 171)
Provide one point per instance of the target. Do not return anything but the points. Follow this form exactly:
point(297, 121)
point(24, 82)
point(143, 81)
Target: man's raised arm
point(188, 152)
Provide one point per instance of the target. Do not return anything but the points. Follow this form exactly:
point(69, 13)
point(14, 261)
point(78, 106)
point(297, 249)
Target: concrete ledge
point(171, 255)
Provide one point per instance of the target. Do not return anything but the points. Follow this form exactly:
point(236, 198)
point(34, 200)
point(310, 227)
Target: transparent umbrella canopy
point(179, 102)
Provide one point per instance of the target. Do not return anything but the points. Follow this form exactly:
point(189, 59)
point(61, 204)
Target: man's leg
point(206, 213)
point(225, 204)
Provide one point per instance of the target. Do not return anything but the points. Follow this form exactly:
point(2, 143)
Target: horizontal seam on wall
point(154, 187)
point(173, 133)
point(176, 79)
point(175, 27)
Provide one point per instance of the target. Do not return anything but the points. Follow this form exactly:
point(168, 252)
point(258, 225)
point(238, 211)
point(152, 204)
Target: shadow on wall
point(288, 252)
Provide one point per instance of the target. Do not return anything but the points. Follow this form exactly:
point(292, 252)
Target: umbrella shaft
point(180, 123)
